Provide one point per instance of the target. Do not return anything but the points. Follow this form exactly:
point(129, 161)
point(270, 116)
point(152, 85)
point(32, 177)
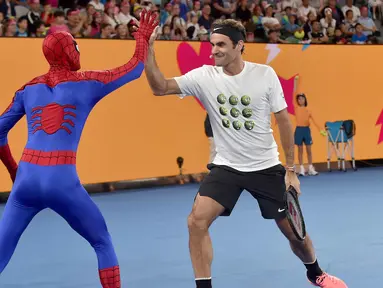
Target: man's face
point(223, 50)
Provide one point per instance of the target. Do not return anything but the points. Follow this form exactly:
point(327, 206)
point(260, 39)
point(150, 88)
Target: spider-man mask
point(61, 51)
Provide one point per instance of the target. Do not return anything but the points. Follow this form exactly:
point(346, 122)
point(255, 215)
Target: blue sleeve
point(14, 112)
point(110, 80)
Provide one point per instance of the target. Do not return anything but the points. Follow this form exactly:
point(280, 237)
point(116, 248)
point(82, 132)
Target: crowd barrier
point(132, 134)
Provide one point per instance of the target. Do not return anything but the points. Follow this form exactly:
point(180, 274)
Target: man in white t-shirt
point(239, 97)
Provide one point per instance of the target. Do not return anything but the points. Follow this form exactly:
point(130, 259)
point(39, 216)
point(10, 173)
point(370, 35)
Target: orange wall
point(141, 135)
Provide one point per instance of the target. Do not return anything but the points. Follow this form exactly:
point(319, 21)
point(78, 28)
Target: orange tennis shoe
point(329, 281)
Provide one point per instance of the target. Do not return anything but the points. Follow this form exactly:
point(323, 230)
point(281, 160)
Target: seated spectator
point(328, 22)
point(47, 16)
point(349, 24)
point(58, 23)
point(304, 10)
point(22, 27)
point(268, 21)
point(285, 18)
point(165, 13)
point(339, 37)
point(349, 6)
point(94, 29)
point(193, 23)
point(359, 37)
point(165, 35)
point(218, 9)
point(124, 16)
point(75, 23)
point(307, 26)
point(203, 35)
point(243, 13)
point(273, 37)
point(317, 34)
point(183, 9)
point(33, 14)
point(7, 8)
point(10, 28)
point(337, 13)
point(176, 13)
point(196, 11)
point(206, 20)
point(106, 31)
point(367, 23)
point(110, 14)
point(41, 30)
point(290, 28)
point(122, 32)
point(177, 28)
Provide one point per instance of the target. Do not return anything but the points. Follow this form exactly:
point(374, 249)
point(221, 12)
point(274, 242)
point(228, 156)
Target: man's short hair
point(237, 25)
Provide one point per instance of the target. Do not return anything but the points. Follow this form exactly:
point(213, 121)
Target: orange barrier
point(137, 135)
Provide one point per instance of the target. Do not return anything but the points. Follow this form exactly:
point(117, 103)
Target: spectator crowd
point(267, 21)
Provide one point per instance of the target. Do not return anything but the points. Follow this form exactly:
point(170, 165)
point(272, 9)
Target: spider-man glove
point(9, 162)
point(148, 22)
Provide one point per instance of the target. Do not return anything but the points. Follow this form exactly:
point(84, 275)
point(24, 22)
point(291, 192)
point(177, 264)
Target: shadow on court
point(342, 213)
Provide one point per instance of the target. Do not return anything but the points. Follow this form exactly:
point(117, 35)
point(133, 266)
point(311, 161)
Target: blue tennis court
point(342, 211)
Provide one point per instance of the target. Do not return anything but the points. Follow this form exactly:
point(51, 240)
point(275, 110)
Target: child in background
point(303, 134)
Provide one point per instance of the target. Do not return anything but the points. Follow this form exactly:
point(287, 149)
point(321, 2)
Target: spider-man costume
point(56, 106)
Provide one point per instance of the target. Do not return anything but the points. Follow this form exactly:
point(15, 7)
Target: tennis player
point(239, 97)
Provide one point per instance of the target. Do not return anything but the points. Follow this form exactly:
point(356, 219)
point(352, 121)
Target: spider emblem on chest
point(52, 117)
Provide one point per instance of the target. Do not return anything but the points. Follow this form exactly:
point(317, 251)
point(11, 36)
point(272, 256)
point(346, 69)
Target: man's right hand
point(154, 36)
point(148, 24)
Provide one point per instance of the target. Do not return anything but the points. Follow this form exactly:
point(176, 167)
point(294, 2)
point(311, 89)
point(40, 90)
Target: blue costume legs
point(82, 214)
point(14, 221)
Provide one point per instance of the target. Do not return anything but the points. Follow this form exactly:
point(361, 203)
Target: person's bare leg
point(309, 155)
point(304, 250)
point(205, 211)
point(300, 155)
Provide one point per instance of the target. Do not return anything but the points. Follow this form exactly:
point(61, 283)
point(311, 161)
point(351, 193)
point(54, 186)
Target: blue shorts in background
point(302, 135)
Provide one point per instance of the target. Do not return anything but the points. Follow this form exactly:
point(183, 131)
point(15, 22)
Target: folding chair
point(340, 137)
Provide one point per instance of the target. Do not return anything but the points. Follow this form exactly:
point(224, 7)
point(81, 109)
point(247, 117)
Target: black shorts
point(225, 185)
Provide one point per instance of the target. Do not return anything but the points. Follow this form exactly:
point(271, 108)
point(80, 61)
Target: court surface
point(343, 212)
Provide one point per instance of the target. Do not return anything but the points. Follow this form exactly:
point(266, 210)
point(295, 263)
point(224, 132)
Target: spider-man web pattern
point(56, 106)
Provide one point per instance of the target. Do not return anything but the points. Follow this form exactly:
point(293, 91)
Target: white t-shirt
point(239, 109)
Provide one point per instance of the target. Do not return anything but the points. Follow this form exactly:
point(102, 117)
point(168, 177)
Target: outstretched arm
point(157, 82)
point(8, 119)
point(113, 79)
point(184, 85)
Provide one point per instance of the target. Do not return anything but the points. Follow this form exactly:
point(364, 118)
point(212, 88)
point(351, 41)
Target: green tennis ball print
point(226, 123)
point(234, 112)
point(245, 100)
point(221, 99)
point(223, 111)
point(233, 100)
point(247, 112)
point(249, 125)
point(237, 125)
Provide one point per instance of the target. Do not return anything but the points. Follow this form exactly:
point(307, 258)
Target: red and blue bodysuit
point(56, 106)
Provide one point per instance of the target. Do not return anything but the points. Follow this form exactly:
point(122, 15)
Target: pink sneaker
point(328, 281)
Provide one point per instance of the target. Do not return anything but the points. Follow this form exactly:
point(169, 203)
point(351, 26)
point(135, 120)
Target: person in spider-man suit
point(56, 106)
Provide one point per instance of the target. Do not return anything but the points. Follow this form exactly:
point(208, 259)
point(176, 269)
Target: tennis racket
point(294, 213)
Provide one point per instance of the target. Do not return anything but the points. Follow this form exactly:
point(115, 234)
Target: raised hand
point(148, 23)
